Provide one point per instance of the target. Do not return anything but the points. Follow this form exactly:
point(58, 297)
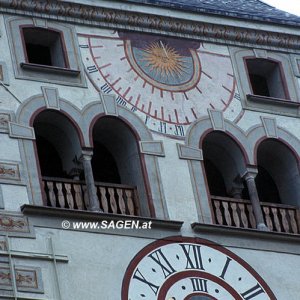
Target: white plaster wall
point(9, 148)
point(176, 181)
point(97, 263)
point(14, 196)
point(279, 270)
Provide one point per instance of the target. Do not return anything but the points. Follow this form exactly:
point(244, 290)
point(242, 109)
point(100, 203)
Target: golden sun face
point(164, 60)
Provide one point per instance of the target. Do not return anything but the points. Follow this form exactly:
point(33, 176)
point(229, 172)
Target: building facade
point(149, 150)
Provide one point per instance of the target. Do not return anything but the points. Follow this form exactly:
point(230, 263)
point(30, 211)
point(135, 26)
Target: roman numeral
point(199, 285)
point(253, 292)
point(162, 127)
point(193, 256)
point(105, 88)
point(121, 101)
point(179, 130)
point(139, 276)
point(162, 261)
point(92, 69)
point(237, 96)
point(228, 260)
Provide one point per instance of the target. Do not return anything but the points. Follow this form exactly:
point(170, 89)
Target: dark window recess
point(215, 179)
point(265, 78)
point(44, 47)
point(266, 187)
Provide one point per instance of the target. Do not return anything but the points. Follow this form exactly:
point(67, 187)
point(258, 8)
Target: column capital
point(86, 154)
point(250, 173)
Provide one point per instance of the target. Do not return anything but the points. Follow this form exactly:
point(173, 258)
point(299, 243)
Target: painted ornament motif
point(182, 268)
point(167, 82)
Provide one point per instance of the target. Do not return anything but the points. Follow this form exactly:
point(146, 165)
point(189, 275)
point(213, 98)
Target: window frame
point(62, 42)
point(281, 71)
point(72, 74)
point(289, 106)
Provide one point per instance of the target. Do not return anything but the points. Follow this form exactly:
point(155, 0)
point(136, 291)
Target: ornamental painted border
point(117, 19)
point(28, 279)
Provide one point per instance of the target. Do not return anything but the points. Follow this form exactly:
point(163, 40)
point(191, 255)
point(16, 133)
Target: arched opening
point(278, 179)
point(58, 149)
point(117, 162)
point(224, 163)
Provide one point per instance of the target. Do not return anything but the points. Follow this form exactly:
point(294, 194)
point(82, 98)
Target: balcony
point(72, 194)
point(239, 213)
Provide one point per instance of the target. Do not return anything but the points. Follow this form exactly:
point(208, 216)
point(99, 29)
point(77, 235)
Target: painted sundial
point(183, 268)
point(168, 82)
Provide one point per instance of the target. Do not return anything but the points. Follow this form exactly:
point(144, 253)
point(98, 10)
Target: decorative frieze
point(9, 171)
point(13, 223)
point(28, 279)
point(4, 119)
point(111, 18)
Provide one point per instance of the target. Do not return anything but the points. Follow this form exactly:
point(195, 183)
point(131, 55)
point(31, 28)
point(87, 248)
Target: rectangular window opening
point(266, 78)
point(44, 47)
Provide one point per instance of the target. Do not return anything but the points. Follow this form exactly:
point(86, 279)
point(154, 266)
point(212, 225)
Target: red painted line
point(231, 75)
point(104, 66)
point(136, 78)
point(106, 76)
point(207, 75)
point(98, 46)
point(120, 45)
point(122, 58)
point(155, 113)
point(116, 81)
point(211, 106)
point(126, 92)
point(137, 100)
point(186, 97)
point(227, 89)
point(187, 119)
point(97, 57)
point(170, 119)
point(129, 100)
point(172, 95)
point(119, 89)
point(142, 109)
point(144, 84)
point(198, 90)
point(176, 115)
point(161, 93)
point(194, 113)
point(223, 102)
point(152, 89)
point(129, 70)
point(162, 112)
point(149, 107)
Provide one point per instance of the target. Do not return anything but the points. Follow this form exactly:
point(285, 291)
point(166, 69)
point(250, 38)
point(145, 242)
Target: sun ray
point(162, 59)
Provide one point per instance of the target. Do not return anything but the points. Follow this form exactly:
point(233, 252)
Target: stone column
point(249, 177)
point(86, 158)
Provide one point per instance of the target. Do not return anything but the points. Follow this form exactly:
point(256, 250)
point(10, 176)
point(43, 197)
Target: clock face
point(191, 269)
point(167, 82)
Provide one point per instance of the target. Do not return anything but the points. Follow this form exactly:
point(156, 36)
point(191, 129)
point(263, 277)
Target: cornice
point(118, 19)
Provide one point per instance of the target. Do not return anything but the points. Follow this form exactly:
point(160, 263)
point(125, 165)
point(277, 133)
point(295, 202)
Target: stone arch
point(277, 157)
point(199, 129)
point(35, 104)
point(196, 134)
point(152, 199)
point(83, 120)
point(23, 130)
